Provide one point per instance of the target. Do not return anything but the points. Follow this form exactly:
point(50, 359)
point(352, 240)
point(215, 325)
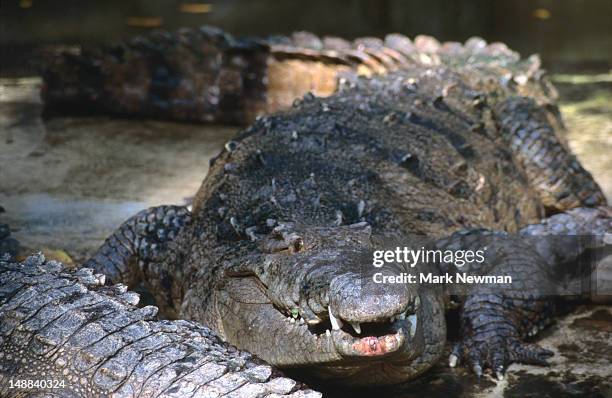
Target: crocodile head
point(309, 301)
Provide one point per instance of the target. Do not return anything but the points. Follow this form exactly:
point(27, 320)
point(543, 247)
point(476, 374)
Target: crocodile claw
point(496, 354)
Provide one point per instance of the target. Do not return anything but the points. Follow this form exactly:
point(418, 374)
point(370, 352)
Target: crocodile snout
point(356, 297)
point(369, 318)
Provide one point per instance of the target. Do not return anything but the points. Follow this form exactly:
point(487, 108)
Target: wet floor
point(586, 106)
point(581, 367)
point(66, 183)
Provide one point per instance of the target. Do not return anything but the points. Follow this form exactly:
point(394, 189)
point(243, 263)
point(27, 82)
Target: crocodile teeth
point(453, 360)
point(413, 324)
point(327, 333)
point(401, 316)
point(335, 322)
point(357, 327)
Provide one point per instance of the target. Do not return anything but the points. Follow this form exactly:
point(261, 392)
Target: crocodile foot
point(492, 339)
point(497, 353)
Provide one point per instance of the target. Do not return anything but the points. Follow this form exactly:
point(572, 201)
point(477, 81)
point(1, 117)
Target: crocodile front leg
point(134, 252)
point(496, 319)
point(74, 337)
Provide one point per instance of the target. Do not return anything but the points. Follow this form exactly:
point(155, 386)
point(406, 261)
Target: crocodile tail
point(207, 75)
point(66, 334)
point(190, 75)
point(305, 63)
point(556, 175)
point(72, 81)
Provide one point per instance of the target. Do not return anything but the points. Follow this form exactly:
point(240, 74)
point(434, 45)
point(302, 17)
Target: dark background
point(571, 35)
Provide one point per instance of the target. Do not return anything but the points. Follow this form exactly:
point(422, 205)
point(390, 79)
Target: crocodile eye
point(293, 242)
point(280, 240)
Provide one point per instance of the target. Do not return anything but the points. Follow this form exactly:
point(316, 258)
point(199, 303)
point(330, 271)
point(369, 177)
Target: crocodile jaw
point(336, 356)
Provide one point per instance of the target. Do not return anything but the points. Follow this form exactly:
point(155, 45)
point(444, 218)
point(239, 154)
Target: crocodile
point(271, 256)
point(275, 255)
point(208, 75)
point(79, 338)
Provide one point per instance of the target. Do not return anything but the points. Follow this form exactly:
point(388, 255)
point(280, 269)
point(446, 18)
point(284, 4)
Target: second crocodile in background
point(208, 75)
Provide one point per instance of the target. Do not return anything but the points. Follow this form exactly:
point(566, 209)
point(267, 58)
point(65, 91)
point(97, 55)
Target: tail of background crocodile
point(207, 75)
point(196, 75)
point(62, 333)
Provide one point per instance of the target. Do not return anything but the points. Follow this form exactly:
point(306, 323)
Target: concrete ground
point(66, 183)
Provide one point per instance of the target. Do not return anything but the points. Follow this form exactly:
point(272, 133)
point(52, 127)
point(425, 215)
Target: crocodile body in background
point(206, 75)
point(276, 254)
